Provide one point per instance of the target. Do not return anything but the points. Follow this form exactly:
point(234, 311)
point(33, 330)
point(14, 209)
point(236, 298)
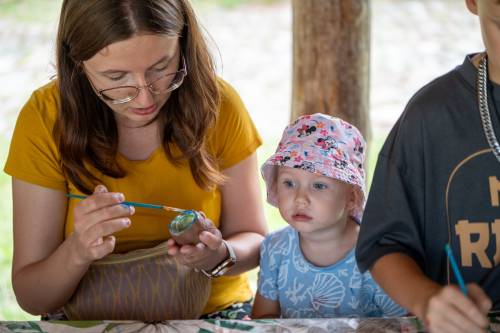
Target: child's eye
point(319, 186)
point(288, 183)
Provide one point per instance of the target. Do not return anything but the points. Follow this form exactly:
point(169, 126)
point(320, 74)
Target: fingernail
point(126, 222)
point(100, 189)
point(119, 196)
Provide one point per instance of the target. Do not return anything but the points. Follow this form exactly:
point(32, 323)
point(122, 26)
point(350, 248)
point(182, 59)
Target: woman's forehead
point(137, 53)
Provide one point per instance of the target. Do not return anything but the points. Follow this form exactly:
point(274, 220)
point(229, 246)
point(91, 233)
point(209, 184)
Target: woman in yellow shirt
point(136, 113)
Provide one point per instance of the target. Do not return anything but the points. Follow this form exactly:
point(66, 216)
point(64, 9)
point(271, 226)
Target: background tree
point(331, 59)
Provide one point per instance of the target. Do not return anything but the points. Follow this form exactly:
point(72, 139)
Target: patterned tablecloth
point(338, 325)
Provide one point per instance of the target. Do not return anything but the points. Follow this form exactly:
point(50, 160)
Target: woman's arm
point(443, 309)
point(265, 308)
point(46, 269)
point(242, 220)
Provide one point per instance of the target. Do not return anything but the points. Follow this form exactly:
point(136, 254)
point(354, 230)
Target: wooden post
point(331, 59)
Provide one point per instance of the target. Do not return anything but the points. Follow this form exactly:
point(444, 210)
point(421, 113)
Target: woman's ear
point(472, 6)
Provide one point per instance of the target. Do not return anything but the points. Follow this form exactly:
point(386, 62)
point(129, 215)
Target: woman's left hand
point(209, 252)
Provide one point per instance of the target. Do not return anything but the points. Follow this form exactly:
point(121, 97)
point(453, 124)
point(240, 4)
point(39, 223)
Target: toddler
point(308, 269)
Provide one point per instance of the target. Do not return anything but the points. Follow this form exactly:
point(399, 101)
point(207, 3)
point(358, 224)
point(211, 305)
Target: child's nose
point(302, 197)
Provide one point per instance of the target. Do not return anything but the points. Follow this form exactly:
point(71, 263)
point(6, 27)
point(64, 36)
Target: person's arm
point(443, 309)
point(242, 219)
point(242, 224)
point(46, 269)
point(265, 308)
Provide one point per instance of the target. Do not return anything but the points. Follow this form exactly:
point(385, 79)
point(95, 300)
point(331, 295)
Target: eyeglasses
point(164, 84)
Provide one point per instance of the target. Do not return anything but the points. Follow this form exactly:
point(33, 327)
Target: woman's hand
point(206, 254)
point(96, 218)
point(451, 311)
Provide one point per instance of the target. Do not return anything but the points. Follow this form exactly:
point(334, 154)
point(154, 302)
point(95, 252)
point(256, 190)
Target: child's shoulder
point(283, 233)
point(280, 238)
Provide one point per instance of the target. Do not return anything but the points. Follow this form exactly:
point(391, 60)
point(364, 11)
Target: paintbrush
point(135, 204)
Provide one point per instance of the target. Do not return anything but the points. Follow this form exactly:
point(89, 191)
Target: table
point(337, 325)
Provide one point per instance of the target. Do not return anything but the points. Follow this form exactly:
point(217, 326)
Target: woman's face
point(137, 61)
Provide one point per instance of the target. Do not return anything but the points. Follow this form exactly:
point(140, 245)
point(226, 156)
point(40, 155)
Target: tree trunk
point(331, 58)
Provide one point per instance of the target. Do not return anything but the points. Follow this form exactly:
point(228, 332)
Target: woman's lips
point(144, 111)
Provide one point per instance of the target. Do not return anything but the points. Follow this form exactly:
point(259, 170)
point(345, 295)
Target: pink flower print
point(320, 124)
point(358, 146)
point(293, 153)
point(345, 124)
point(323, 132)
point(337, 154)
point(298, 159)
point(302, 130)
point(327, 163)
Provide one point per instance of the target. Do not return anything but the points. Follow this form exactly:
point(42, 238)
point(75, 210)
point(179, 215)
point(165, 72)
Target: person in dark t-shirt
point(437, 181)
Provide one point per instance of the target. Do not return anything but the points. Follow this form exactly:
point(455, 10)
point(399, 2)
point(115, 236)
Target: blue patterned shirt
point(307, 291)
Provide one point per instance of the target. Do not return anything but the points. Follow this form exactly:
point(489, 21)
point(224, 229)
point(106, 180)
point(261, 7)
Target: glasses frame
point(149, 86)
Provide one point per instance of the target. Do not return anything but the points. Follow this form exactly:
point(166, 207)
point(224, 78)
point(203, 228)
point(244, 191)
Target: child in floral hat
point(308, 269)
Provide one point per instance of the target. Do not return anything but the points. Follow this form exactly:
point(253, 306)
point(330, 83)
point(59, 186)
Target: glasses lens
point(167, 83)
point(120, 93)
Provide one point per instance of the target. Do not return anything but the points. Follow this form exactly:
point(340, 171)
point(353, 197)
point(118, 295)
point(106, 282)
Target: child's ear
point(353, 198)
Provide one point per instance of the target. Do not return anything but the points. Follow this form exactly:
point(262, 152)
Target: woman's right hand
point(449, 310)
point(96, 218)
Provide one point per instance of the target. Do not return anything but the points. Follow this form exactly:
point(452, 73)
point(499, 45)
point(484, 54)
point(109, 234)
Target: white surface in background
point(412, 43)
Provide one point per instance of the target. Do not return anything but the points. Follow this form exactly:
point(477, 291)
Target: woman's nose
point(145, 97)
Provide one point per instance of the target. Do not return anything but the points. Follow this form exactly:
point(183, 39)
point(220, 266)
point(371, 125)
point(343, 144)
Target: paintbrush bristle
point(173, 209)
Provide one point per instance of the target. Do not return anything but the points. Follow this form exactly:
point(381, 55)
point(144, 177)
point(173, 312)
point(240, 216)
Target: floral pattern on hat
point(321, 144)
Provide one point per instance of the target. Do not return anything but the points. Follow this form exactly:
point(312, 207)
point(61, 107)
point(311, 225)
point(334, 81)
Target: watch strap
point(224, 265)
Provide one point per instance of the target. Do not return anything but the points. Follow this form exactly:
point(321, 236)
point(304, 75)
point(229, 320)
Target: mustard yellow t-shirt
point(34, 158)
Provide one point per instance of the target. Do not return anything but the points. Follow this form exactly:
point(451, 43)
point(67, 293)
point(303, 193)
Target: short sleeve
point(394, 214)
point(268, 275)
point(386, 306)
point(235, 136)
point(33, 155)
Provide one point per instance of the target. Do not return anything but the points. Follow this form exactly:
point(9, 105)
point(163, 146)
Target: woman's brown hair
point(86, 130)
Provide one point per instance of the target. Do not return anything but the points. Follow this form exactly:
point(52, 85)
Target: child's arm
point(265, 308)
point(443, 309)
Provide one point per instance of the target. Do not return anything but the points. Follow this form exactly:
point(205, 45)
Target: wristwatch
point(223, 266)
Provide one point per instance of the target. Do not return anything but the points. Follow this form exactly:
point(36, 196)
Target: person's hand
point(96, 218)
point(450, 310)
point(206, 254)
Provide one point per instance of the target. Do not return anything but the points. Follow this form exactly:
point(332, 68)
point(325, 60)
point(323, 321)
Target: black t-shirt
point(437, 181)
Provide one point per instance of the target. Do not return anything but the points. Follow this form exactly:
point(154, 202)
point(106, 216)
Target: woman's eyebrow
point(165, 59)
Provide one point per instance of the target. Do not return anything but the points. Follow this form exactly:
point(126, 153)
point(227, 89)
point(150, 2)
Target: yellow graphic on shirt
point(464, 229)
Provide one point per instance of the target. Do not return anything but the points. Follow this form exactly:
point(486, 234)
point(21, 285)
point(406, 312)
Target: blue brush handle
point(456, 271)
point(130, 203)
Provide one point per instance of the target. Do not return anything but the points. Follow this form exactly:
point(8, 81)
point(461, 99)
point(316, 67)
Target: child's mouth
point(301, 217)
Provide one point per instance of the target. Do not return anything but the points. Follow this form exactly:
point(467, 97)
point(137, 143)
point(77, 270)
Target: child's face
point(312, 203)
